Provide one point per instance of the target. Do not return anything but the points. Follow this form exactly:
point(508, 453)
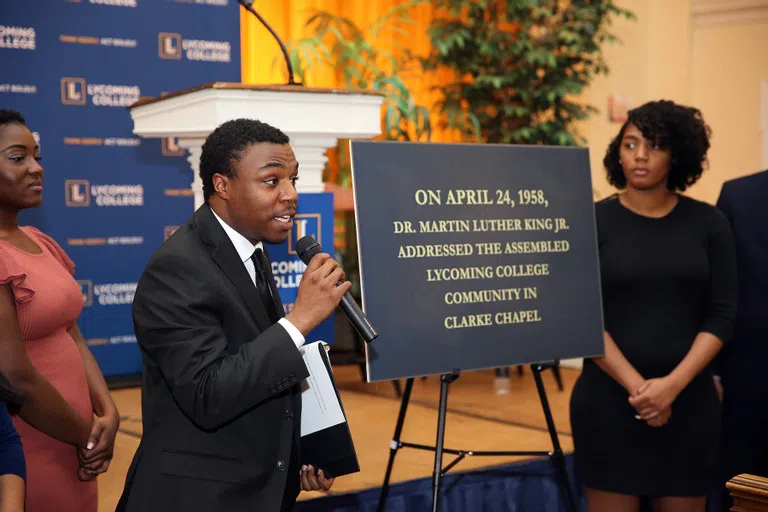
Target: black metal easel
point(556, 455)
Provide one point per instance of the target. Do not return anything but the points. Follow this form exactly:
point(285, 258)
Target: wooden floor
point(478, 419)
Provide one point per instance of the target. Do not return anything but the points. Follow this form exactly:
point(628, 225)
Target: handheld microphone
point(307, 247)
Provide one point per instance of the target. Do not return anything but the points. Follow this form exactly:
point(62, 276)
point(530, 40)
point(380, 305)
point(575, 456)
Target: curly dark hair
point(680, 128)
point(10, 117)
point(225, 146)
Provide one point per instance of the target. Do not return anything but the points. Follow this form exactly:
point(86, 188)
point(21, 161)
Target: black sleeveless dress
point(664, 280)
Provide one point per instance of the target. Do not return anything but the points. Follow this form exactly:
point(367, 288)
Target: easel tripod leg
point(558, 375)
point(557, 458)
point(394, 446)
point(437, 475)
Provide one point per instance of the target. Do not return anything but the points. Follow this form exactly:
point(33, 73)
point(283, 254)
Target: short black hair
point(680, 128)
point(225, 145)
point(10, 117)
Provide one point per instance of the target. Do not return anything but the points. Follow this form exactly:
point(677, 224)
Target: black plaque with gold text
point(475, 256)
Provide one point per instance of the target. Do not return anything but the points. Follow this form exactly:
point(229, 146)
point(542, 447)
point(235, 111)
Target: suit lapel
point(226, 257)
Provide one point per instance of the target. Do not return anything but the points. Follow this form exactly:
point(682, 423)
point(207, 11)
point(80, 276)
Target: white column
point(310, 151)
point(195, 149)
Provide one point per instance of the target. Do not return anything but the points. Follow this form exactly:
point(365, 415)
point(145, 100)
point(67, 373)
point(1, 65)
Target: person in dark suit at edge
point(744, 201)
point(221, 366)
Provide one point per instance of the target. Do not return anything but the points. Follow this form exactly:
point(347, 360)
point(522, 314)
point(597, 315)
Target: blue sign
point(314, 217)
point(72, 67)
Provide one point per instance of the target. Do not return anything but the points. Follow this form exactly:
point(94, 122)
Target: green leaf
point(523, 59)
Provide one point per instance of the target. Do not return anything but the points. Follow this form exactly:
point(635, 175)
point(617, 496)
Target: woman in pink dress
point(68, 421)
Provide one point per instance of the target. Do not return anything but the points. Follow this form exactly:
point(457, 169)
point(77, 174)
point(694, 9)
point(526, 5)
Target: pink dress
point(48, 301)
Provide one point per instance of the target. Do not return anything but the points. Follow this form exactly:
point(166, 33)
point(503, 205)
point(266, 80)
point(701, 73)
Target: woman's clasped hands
point(653, 400)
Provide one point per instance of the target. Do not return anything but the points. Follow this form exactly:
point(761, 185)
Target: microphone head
point(306, 248)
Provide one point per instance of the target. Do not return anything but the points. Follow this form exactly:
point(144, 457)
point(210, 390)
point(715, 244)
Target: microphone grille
point(306, 248)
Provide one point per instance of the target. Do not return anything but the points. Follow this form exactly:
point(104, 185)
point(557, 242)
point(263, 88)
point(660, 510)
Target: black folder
point(330, 449)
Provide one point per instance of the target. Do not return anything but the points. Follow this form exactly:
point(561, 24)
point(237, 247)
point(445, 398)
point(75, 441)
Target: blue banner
point(71, 67)
point(314, 217)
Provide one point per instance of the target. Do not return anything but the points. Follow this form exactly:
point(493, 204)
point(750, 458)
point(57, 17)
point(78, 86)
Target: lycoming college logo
point(171, 147)
point(77, 193)
point(304, 224)
point(108, 294)
point(169, 45)
point(17, 38)
point(114, 294)
point(82, 193)
point(173, 46)
point(86, 288)
point(75, 91)
point(288, 273)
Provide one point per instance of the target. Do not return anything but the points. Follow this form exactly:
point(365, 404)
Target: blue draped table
point(526, 486)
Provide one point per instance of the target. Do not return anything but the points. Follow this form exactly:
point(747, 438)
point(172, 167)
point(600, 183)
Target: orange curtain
point(262, 61)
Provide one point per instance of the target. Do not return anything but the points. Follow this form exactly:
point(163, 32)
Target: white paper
point(320, 408)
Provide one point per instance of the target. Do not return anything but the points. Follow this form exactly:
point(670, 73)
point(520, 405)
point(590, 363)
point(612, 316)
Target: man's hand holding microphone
point(318, 293)
point(323, 286)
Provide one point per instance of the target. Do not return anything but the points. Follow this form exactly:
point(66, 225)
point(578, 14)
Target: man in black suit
point(220, 393)
point(741, 364)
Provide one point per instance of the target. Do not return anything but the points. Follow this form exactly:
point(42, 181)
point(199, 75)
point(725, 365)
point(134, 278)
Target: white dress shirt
point(245, 250)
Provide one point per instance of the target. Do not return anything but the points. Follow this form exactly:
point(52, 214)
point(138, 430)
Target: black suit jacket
point(220, 401)
point(745, 202)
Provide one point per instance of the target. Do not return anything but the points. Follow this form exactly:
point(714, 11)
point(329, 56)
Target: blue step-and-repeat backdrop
point(71, 67)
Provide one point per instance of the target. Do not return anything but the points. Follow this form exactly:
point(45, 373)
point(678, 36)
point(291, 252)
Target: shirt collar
point(243, 246)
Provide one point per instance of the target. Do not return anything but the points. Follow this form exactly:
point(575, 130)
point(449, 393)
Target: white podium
point(313, 118)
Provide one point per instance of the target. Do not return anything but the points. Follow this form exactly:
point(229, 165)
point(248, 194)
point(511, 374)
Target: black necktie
point(263, 285)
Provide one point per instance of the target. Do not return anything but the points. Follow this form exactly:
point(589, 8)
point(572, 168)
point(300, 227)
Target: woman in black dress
point(646, 415)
